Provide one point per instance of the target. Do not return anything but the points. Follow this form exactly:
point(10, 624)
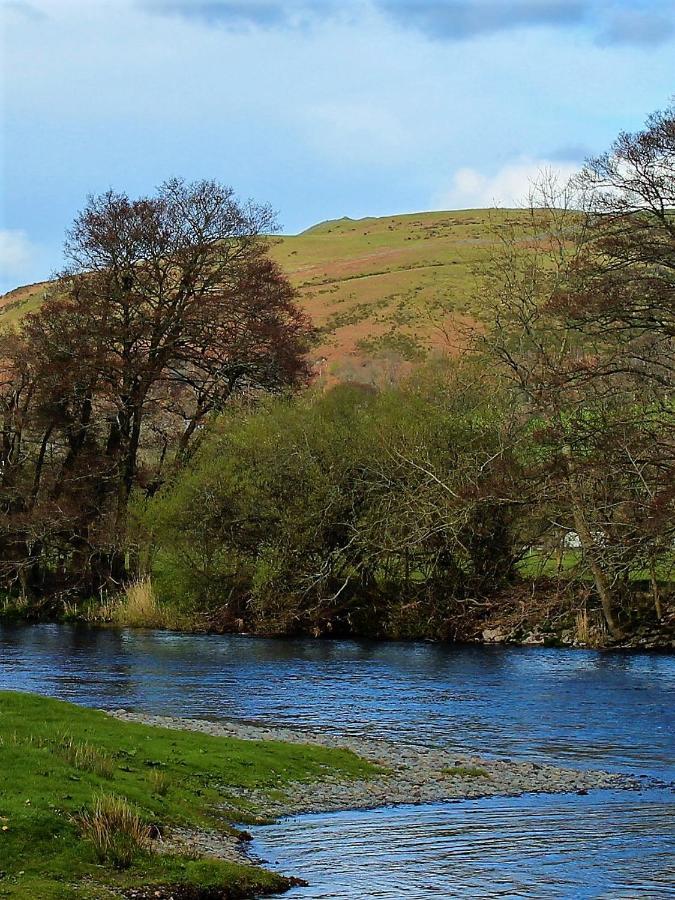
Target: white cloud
point(509, 186)
point(16, 251)
point(23, 261)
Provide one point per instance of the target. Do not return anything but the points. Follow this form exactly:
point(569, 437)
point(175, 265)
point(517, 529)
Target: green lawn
point(56, 759)
point(537, 564)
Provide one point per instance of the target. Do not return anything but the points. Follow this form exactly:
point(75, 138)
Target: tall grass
point(582, 628)
point(138, 606)
point(590, 630)
point(84, 756)
point(116, 830)
point(160, 782)
point(79, 754)
point(14, 606)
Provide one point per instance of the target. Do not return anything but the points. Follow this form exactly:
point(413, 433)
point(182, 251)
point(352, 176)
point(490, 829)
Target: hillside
point(382, 291)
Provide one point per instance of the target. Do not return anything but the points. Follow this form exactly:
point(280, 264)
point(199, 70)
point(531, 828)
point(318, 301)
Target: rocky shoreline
point(644, 639)
point(409, 774)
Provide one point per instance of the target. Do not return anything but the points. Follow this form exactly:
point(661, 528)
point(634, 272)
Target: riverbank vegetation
point(92, 802)
point(159, 457)
point(421, 511)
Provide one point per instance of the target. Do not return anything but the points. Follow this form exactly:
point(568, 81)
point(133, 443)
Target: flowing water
point(578, 708)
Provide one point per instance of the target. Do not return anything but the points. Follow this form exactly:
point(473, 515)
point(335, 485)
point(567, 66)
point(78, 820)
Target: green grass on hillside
point(56, 759)
point(385, 286)
point(19, 302)
point(389, 287)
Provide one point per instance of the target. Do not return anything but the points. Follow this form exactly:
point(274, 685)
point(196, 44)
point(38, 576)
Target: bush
point(348, 511)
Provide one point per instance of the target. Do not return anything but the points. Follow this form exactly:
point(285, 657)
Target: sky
point(322, 108)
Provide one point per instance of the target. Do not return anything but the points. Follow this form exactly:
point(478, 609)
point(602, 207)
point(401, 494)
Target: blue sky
point(323, 108)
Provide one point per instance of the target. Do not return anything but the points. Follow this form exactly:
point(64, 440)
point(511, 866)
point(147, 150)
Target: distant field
point(383, 291)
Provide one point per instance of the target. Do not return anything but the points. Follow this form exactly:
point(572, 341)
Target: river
point(577, 708)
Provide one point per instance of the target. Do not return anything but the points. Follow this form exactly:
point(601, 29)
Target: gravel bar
point(412, 773)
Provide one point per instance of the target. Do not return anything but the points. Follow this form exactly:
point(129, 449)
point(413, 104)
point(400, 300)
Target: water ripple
point(581, 708)
point(612, 845)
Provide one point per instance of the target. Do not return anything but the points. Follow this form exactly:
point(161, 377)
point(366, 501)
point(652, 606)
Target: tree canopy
point(169, 305)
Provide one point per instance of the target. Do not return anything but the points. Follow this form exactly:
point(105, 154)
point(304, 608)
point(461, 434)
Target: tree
point(167, 307)
point(584, 326)
point(621, 294)
point(620, 289)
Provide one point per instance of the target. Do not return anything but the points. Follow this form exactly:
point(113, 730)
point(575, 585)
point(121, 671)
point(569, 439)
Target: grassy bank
point(547, 610)
point(137, 606)
point(83, 798)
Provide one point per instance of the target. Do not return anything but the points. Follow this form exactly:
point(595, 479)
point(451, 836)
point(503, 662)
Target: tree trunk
point(131, 435)
point(589, 546)
point(77, 436)
point(40, 463)
point(656, 594)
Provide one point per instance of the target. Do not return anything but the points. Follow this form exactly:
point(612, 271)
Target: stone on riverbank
point(410, 773)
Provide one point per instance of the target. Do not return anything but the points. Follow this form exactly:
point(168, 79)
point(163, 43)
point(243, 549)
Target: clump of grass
point(466, 772)
point(116, 830)
point(138, 607)
point(160, 782)
point(85, 756)
point(99, 610)
point(14, 607)
point(590, 630)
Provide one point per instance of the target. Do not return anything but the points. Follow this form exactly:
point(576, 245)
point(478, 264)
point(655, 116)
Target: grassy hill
point(383, 291)
point(15, 304)
point(386, 291)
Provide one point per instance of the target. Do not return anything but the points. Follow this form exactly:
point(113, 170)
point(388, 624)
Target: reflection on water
point(576, 707)
point(536, 847)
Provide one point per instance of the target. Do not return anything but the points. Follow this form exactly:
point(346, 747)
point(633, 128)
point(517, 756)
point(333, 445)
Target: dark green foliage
point(344, 511)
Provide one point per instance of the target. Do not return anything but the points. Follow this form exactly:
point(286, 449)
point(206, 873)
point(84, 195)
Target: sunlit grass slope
point(388, 288)
point(65, 769)
point(393, 287)
point(20, 301)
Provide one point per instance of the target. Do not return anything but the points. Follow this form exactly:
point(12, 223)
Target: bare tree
point(584, 325)
point(168, 306)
